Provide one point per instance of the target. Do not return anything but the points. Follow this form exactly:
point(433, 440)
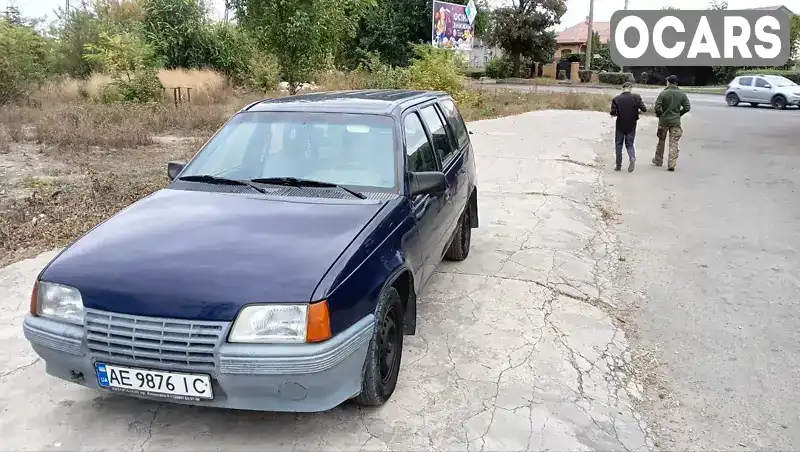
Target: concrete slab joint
point(516, 349)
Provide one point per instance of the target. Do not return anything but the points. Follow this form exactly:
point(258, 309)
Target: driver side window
point(761, 83)
point(419, 151)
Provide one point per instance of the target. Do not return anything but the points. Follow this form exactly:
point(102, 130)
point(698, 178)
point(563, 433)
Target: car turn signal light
point(35, 299)
point(319, 322)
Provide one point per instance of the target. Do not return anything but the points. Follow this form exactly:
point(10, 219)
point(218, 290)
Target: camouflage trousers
point(675, 134)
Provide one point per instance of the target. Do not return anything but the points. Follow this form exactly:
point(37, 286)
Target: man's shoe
point(656, 163)
point(671, 168)
point(631, 165)
point(618, 168)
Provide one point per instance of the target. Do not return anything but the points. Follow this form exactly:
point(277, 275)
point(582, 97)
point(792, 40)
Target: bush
point(265, 73)
point(143, 86)
point(437, 70)
point(615, 78)
point(791, 75)
point(585, 76)
point(501, 67)
point(476, 74)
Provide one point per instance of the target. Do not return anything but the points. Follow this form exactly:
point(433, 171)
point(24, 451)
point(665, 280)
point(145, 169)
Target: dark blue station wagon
point(280, 268)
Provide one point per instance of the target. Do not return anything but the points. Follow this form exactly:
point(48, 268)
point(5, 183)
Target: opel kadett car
point(279, 270)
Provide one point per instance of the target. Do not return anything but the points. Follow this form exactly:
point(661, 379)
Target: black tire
point(459, 247)
point(385, 352)
point(732, 99)
point(754, 104)
point(779, 102)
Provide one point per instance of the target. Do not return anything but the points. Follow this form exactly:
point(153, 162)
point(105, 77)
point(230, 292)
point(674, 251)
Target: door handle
point(424, 208)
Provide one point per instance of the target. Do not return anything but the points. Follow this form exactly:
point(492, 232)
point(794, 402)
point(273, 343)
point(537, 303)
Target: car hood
point(201, 255)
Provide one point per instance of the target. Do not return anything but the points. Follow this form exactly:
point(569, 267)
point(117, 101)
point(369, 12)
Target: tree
point(81, 28)
point(301, 33)
point(391, 30)
point(25, 61)
point(176, 30)
point(522, 29)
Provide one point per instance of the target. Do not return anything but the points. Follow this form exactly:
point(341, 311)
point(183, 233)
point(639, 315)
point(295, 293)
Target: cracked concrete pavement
point(516, 347)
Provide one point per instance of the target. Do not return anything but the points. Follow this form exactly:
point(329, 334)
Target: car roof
point(372, 101)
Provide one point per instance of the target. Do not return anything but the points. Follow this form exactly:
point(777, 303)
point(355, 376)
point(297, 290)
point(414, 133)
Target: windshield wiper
point(295, 182)
point(209, 179)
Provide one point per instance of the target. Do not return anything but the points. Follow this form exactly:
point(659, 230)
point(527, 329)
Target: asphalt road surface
point(715, 272)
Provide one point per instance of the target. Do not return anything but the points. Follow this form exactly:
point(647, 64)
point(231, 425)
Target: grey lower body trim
point(261, 377)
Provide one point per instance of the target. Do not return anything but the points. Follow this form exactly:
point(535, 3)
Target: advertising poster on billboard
point(452, 26)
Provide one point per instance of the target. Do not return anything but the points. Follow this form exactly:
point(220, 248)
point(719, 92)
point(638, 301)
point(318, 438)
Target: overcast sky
point(577, 10)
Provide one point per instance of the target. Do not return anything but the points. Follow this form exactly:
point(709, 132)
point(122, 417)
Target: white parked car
point(757, 89)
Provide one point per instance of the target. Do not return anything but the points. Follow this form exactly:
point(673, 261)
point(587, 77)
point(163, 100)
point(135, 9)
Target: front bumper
point(262, 377)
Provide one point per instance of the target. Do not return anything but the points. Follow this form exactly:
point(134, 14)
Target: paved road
point(715, 271)
point(515, 349)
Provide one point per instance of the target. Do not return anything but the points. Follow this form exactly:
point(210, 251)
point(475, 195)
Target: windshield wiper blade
point(209, 179)
point(295, 182)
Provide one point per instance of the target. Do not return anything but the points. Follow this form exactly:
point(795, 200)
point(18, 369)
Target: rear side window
point(456, 121)
point(746, 81)
point(438, 132)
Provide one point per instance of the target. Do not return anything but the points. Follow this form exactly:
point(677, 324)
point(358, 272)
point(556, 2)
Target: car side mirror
point(767, 86)
point(174, 168)
point(427, 183)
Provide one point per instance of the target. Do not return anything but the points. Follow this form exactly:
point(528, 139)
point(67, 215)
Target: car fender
point(375, 259)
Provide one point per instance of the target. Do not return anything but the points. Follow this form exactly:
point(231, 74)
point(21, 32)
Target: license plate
point(154, 383)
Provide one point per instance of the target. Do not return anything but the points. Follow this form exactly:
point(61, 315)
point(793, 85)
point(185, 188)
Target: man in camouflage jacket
point(670, 106)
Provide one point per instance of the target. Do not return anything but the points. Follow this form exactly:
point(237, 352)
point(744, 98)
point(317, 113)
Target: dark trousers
point(627, 139)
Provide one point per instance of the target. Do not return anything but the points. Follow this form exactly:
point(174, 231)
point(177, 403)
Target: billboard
point(453, 26)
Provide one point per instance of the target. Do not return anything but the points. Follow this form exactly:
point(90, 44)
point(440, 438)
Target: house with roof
point(573, 39)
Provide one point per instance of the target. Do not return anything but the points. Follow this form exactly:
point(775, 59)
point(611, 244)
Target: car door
point(453, 168)
point(762, 91)
point(426, 209)
point(744, 89)
point(463, 159)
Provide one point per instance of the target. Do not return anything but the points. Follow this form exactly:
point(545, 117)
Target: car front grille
point(152, 342)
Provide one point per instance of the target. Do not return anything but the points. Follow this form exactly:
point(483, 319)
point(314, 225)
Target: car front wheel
point(385, 351)
point(459, 247)
point(779, 102)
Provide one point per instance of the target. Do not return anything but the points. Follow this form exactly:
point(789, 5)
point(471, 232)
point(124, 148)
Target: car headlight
point(281, 323)
point(58, 302)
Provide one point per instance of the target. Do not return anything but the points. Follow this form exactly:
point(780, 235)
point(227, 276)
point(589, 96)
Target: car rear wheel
point(459, 247)
point(779, 102)
point(385, 351)
point(732, 99)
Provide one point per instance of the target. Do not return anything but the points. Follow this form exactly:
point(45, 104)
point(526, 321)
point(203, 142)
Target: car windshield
point(343, 149)
point(776, 80)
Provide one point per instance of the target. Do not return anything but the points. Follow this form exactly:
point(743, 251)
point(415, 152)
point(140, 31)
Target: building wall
point(571, 48)
point(482, 54)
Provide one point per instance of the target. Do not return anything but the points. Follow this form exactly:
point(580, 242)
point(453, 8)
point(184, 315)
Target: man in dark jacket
point(670, 106)
point(626, 107)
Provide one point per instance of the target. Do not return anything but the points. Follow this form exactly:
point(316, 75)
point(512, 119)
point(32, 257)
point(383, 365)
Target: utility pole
point(589, 37)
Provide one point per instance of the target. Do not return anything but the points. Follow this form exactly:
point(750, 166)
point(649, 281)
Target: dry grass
point(495, 103)
point(111, 155)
